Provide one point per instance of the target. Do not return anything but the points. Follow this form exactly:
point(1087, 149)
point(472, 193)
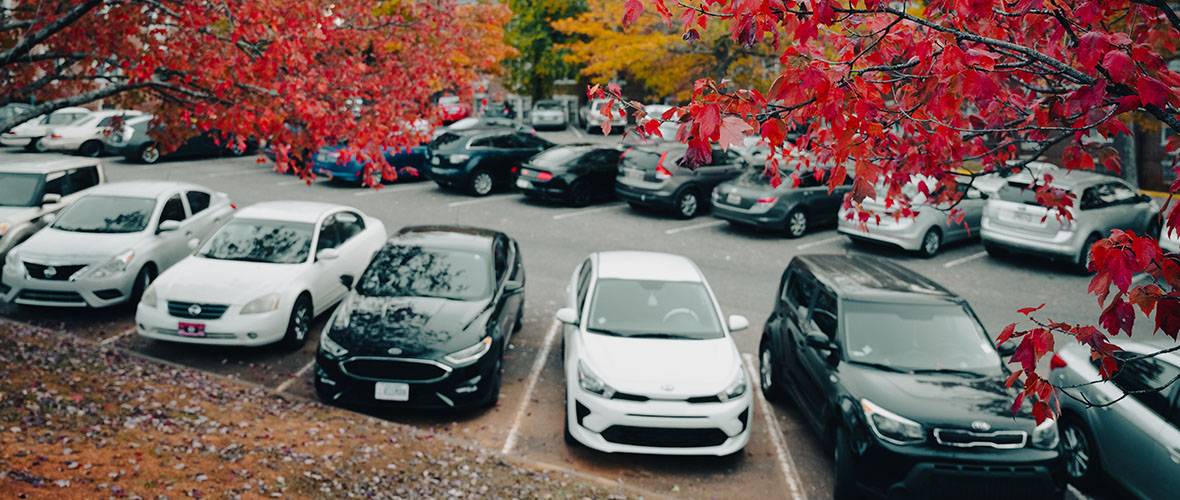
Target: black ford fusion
point(427, 323)
point(898, 376)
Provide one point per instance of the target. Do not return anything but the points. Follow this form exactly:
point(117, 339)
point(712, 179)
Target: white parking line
point(785, 463)
point(824, 241)
point(489, 199)
point(416, 187)
point(576, 213)
point(538, 364)
point(576, 131)
point(964, 260)
point(298, 375)
point(116, 338)
point(293, 182)
point(694, 227)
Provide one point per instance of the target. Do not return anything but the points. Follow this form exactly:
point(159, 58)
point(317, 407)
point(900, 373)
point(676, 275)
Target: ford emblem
point(194, 310)
point(49, 272)
point(981, 426)
point(394, 351)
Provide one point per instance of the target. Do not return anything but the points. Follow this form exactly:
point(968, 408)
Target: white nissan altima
point(649, 365)
point(258, 280)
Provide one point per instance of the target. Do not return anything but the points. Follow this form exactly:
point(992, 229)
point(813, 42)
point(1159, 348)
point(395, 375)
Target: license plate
point(196, 330)
point(1020, 216)
point(392, 391)
point(733, 199)
point(434, 160)
point(322, 157)
point(633, 174)
point(523, 184)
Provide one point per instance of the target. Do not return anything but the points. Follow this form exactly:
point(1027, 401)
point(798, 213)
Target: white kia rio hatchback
point(650, 366)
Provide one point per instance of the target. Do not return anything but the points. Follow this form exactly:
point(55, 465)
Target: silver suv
point(32, 187)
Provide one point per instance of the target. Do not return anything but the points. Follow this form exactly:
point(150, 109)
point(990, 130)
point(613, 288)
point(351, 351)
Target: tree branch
point(26, 44)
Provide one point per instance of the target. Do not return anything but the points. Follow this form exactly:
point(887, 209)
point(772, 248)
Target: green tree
point(532, 33)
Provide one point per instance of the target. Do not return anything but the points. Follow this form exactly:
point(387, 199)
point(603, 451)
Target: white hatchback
point(650, 366)
point(257, 280)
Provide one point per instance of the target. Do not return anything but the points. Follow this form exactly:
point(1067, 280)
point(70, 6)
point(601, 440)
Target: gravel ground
point(82, 421)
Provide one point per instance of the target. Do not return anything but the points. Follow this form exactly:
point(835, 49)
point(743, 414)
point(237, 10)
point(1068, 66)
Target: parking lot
point(743, 267)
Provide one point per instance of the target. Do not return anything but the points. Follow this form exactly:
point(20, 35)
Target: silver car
point(109, 245)
point(547, 113)
point(33, 187)
point(1014, 222)
point(991, 183)
point(924, 233)
point(1136, 440)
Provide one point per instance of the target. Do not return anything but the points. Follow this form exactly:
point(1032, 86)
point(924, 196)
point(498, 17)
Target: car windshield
point(648, 308)
point(19, 190)
point(247, 240)
point(444, 140)
point(917, 337)
point(548, 105)
point(60, 118)
point(107, 214)
point(413, 271)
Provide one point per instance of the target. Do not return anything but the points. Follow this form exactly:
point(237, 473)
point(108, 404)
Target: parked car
point(262, 277)
point(591, 117)
point(480, 160)
point(898, 376)
point(483, 123)
point(991, 183)
point(750, 199)
point(650, 176)
point(650, 366)
point(110, 244)
point(30, 133)
point(132, 142)
point(925, 233)
point(1170, 239)
point(33, 189)
point(407, 162)
point(1139, 447)
point(451, 109)
point(1013, 221)
point(86, 135)
point(548, 113)
point(667, 128)
point(427, 323)
point(576, 173)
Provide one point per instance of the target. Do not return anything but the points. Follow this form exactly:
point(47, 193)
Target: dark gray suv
point(649, 176)
point(750, 200)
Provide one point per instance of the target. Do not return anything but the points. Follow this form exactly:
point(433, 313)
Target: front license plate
point(392, 391)
point(196, 330)
point(434, 160)
point(523, 184)
point(733, 199)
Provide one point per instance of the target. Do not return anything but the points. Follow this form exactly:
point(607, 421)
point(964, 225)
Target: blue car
point(408, 163)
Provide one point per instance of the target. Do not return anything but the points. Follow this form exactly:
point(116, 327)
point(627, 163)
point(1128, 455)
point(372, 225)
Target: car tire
point(580, 194)
point(497, 380)
point(481, 183)
point(772, 390)
point(688, 203)
point(236, 149)
point(797, 223)
point(1082, 266)
point(931, 243)
point(844, 483)
point(149, 154)
point(1084, 469)
point(995, 252)
point(90, 149)
point(299, 324)
point(142, 280)
point(34, 146)
point(519, 319)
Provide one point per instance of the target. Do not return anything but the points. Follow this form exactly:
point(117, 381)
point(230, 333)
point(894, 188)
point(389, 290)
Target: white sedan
point(650, 366)
point(29, 134)
point(257, 280)
point(85, 136)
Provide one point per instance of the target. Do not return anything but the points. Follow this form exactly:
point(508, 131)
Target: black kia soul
point(897, 374)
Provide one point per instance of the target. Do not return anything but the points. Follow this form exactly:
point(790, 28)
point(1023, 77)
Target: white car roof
point(143, 189)
point(40, 164)
point(290, 211)
point(653, 266)
point(71, 110)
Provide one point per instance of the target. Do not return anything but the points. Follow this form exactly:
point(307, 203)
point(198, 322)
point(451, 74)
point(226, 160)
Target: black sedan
point(480, 160)
point(427, 323)
point(575, 173)
point(133, 143)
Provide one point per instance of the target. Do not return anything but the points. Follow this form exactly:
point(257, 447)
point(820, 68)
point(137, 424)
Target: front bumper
point(774, 218)
point(1062, 244)
point(464, 387)
point(662, 198)
point(83, 291)
point(906, 235)
point(230, 329)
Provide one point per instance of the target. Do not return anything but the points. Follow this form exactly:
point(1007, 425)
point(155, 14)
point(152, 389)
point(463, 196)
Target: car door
point(1114, 208)
point(815, 362)
point(203, 219)
point(794, 304)
point(813, 195)
point(356, 249)
point(1133, 425)
point(530, 145)
point(172, 245)
point(1167, 463)
point(327, 288)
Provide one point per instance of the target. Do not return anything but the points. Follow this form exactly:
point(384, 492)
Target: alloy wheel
point(931, 242)
point(766, 371)
point(482, 184)
point(688, 204)
point(797, 224)
point(1076, 448)
point(150, 154)
point(39, 146)
point(302, 323)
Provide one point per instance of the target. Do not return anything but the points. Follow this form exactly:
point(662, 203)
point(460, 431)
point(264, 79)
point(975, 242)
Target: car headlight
point(4, 227)
point(736, 388)
point(114, 266)
point(11, 261)
point(590, 382)
point(265, 303)
point(1044, 436)
point(891, 427)
point(459, 158)
point(149, 298)
point(469, 355)
point(330, 347)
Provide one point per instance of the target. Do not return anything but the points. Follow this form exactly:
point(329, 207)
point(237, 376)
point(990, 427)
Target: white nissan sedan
point(650, 366)
point(258, 280)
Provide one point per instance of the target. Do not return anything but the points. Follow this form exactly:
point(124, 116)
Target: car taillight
point(661, 172)
point(231, 205)
point(55, 136)
point(515, 169)
point(544, 176)
point(767, 201)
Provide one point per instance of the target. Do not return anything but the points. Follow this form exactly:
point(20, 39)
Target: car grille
point(411, 370)
point(664, 438)
point(51, 296)
point(961, 438)
point(202, 311)
point(963, 482)
point(208, 335)
point(694, 400)
point(55, 273)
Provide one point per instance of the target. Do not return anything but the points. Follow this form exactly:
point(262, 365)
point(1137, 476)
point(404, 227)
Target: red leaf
point(1120, 66)
point(1092, 47)
point(1119, 315)
point(1152, 91)
point(614, 89)
point(1017, 404)
point(1029, 310)
point(733, 132)
point(631, 11)
point(1167, 315)
point(1056, 362)
point(1143, 297)
point(709, 121)
point(1040, 411)
point(1006, 334)
point(1025, 354)
point(1012, 378)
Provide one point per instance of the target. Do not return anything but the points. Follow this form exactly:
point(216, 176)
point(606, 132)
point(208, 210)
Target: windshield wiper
point(659, 336)
point(951, 371)
point(879, 366)
point(608, 333)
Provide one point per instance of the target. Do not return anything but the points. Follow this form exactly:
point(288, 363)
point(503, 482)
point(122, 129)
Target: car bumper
point(1066, 244)
point(330, 170)
point(15, 140)
point(547, 122)
point(775, 218)
point(907, 236)
point(548, 190)
point(463, 387)
point(82, 292)
point(52, 144)
point(446, 175)
point(663, 198)
point(231, 329)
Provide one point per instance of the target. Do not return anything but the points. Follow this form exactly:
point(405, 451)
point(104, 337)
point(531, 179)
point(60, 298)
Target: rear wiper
point(658, 336)
point(951, 371)
point(879, 366)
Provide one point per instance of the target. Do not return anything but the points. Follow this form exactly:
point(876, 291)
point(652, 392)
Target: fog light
point(252, 335)
point(469, 386)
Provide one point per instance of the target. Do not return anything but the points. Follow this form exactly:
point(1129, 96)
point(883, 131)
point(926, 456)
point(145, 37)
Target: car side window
point(500, 255)
point(348, 224)
point(606, 159)
point(1145, 375)
point(55, 183)
point(1121, 194)
point(823, 313)
point(482, 142)
point(807, 178)
point(583, 284)
point(506, 142)
point(329, 235)
point(173, 209)
point(800, 286)
point(517, 264)
point(81, 179)
point(197, 201)
point(720, 157)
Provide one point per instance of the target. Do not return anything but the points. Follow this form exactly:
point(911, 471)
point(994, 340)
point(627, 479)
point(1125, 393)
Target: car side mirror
point(1006, 350)
point(817, 340)
point(168, 225)
point(347, 281)
point(738, 323)
point(327, 254)
point(49, 218)
point(193, 244)
point(567, 315)
point(50, 199)
point(511, 286)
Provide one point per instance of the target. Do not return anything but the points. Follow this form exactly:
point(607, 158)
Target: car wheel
point(688, 204)
point(1077, 448)
point(145, 277)
point(90, 149)
point(299, 324)
point(931, 243)
point(844, 484)
point(580, 194)
point(149, 153)
point(796, 223)
point(481, 183)
point(1082, 266)
point(994, 251)
point(34, 146)
point(497, 380)
point(766, 368)
point(237, 149)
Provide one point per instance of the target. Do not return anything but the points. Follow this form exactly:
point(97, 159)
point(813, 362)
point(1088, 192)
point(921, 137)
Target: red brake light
point(544, 176)
point(55, 136)
point(515, 169)
point(231, 205)
point(766, 201)
point(661, 172)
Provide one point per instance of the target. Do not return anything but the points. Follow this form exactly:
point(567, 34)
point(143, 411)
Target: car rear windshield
point(916, 337)
point(648, 160)
point(557, 156)
point(248, 240)
point(1017, 192)
point(107, 214)
point(19, 190)
point(757, 176)
point(655, 309)
point(412, 271)
point(445, 140)
point(549, 105)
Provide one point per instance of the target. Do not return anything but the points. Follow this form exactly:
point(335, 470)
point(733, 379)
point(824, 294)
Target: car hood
point(662, 367)
point(53, 246)
point(938, 400)
point(197, 279)
point(421, 327)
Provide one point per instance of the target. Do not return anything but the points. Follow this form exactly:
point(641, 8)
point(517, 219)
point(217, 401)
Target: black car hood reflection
point(421, 327)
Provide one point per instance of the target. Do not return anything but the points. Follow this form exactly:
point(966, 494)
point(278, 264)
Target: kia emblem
point(49, 272)
point(981, 426)
point(194, 310)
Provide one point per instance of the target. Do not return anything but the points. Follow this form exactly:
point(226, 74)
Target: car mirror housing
point(347, 281)
point(738, 323)
point(567, 315)
point(50, 199)
point(513, 286)
point(49, 218)
point(1006, 349)
point(817, 340)
point(168, 225)
point(327, 254)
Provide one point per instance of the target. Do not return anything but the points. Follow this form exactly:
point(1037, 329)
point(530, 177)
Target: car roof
point(862, 277)
point(1080, 179)
point(446, 236)
point(638, 265)
point(41, 164)
point(143, 189)
point(290, 210)
point(72, 110)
